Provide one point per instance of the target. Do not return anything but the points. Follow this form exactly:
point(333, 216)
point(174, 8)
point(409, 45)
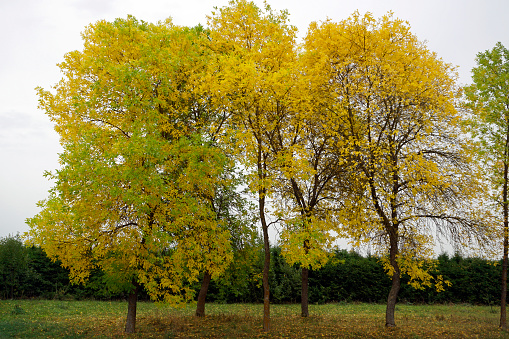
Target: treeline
point(26, 272)
point(351, 277)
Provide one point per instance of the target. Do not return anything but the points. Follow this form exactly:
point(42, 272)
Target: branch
point(109, 123)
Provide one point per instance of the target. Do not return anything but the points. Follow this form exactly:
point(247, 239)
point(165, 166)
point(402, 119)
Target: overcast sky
point(35, 35)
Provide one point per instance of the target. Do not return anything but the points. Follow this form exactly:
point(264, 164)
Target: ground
point(100, 319)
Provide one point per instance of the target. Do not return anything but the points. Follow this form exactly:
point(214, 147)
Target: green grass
point(95, 319)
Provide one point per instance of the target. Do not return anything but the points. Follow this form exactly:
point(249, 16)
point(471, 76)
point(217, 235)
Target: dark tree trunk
point(266, 267)
point(200, 308)
point(503, 297)
point(396, 281)
point(304, 299)
point(130, 325)
point(262, 192)
point(304, 293)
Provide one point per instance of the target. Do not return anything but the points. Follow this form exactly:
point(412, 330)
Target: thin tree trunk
point(266, 267)
point(13, 283)
point(304, 299)
point(304, 293)
point(396, 281)
point(200, 308)
point(503, 297)
point(130, 325)
point(262, 192)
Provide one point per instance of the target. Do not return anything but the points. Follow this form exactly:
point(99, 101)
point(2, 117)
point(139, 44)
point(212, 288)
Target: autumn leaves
point(352, 134)
point(389, 105)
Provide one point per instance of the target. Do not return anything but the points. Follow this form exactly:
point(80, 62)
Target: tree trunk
point(130, 325)
point(503, 297)
point(266, 263)
point(200, 308)
point(262, 192)
point(304, 300)
point(304, 293)
point(266, 267)
point(396, 281)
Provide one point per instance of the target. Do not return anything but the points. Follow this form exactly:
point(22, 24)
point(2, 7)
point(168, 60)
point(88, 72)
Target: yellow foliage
point(389, 103)
point(133, 194)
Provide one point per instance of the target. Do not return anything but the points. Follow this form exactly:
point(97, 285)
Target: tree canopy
point(138, 171)
point(255, 54)
point(390, 104)
point(488, 107)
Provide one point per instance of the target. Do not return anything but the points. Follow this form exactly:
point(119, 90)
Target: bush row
point(349, 277)
point(26, 272)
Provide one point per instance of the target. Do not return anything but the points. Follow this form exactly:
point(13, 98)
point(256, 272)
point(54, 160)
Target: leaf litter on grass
point(74, 319)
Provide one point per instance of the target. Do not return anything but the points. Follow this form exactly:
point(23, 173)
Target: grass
point(95, 319)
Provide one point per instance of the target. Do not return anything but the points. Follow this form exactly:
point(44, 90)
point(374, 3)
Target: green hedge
point(26, 272)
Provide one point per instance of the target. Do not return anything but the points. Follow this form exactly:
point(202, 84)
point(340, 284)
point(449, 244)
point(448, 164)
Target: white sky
point(35, 35)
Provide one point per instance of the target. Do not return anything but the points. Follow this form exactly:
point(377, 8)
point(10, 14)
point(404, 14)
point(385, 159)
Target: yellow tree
point(132, 196)
point(251, 79)
point(311, 180)
point(390, 104)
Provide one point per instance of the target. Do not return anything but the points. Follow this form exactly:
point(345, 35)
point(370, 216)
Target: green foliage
point(14, 267)
point(487, 99)
point(474, 280)
point(349, 277)
point(37, 276)
point(50, 279)
point(284, 279)
point(487, 106)
point(241, 281)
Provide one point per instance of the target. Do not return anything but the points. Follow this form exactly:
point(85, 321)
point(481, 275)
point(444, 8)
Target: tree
point(488, 102)
point(390, 104)
point(131, 196)
point(48, 279)
point(14, 267)
point(254, 51)
point(261, 82)
point(234, 213)
point(310, 183)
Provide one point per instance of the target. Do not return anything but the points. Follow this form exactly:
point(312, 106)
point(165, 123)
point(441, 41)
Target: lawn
point(99, 319)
